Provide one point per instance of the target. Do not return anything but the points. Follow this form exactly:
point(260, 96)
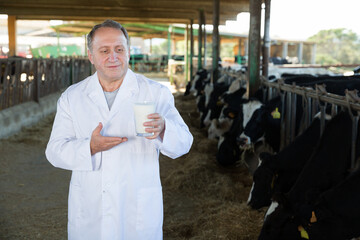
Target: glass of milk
point(141, 110)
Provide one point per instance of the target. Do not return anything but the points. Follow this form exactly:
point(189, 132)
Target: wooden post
point(12, 35)
point(215, 39)
point(267, 42)
point(254, 47)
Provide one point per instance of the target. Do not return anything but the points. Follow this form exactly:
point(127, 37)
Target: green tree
point(337, 46)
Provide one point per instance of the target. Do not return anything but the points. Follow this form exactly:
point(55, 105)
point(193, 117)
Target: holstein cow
point(232, 104)
point(335, 215)
point(264, 124)
point(278, 172)
point(228, 146)
point(327, 167)
point(228, 150)
point(196, 85)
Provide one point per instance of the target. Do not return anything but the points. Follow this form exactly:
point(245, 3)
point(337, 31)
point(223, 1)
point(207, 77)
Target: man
point(115, 190)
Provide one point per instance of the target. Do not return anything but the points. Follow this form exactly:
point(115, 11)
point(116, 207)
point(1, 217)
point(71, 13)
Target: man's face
point(110, 54)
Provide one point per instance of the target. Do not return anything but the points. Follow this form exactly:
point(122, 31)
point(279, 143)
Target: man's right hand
point(99, 143)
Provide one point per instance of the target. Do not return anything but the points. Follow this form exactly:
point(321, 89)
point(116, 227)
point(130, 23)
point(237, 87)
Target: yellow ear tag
point(303, 232)
point(275, 114)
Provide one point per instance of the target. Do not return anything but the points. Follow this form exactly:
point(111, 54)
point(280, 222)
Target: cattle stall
point(313, 101)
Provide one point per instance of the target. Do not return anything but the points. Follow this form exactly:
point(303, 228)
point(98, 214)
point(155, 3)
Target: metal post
point(266, 47)
point(191, 48)
point(300, 52)
point(201, 12)
point(239, 52)
point(186, 58)
point(313, 54)
point(285, 50)
point(215, 39)
point(169, 42)
point(254, 47)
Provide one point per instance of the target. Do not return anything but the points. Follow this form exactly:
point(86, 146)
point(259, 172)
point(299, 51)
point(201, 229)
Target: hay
point(203, 200)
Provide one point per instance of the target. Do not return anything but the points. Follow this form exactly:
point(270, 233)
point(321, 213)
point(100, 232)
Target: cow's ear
point(265, 157)
point(282, 200)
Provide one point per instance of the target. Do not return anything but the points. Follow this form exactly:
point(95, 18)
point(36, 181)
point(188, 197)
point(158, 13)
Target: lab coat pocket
point(149, 209)
point(74, 213)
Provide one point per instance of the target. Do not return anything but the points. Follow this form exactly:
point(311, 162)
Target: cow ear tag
point(303, 232)
point(275, 114)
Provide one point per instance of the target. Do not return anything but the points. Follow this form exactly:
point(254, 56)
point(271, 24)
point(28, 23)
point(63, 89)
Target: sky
point(300, 19)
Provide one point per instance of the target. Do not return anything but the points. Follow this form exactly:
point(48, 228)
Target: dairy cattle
point(231, 105)
point(335, 215)
point(278, 172)
point(228, 147)
point(327, 167)
point(264, 124)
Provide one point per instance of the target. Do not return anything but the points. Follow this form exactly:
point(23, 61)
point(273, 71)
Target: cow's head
point(228, 152)
point(254, 129)
point(280, 222)
point(263, 183)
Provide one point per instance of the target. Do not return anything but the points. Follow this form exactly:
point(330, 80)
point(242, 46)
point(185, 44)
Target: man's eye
point(120, 49)
point(104, 51)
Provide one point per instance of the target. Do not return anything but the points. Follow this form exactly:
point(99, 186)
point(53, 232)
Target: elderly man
point(115, 189)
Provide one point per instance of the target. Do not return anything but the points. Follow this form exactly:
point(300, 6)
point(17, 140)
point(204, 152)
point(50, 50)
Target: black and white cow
point(231, 106)
point(335, 215)
point(327, 167)
point(278, 172)
point(265, 124)
point(228, 146)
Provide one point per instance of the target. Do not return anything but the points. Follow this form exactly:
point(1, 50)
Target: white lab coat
point(114, 194)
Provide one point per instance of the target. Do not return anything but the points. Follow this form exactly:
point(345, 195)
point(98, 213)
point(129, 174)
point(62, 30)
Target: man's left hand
point(156, 125)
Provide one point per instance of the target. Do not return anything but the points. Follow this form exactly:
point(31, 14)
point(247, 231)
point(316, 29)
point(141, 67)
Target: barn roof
point(144, 11)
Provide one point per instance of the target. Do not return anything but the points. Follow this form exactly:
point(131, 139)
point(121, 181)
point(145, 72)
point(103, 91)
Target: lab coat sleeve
point(65, 150)
point(177, 138)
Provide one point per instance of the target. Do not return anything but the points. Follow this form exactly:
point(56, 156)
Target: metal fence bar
point(23, 80)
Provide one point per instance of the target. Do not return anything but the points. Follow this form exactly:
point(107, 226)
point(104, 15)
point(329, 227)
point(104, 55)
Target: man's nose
point(113, 56)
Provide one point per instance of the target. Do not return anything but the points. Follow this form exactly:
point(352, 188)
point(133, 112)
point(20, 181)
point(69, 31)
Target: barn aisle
point(201, 199)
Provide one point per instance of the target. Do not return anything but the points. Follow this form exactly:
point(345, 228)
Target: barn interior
point(203, 198)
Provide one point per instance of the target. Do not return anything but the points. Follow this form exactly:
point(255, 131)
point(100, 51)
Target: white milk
point(141, 110)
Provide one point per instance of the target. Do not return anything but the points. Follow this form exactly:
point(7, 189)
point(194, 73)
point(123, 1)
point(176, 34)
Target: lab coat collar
point(127, 89)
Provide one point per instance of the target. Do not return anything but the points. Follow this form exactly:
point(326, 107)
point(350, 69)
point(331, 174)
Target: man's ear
point(90, 56)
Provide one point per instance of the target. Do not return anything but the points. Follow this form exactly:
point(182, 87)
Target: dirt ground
point(202, 200)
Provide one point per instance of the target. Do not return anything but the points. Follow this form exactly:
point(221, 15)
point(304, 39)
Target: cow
point(228, 147)
point(334, 215)
point(328, 165)
point(265, 124)
point(196, 85)
point(231, 105)
point(278, 172)
point(228, 151)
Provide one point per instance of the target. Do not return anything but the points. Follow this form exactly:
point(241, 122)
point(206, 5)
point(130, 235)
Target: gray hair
point(109, 24)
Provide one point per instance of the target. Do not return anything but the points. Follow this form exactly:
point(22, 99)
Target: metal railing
point(23, 80)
